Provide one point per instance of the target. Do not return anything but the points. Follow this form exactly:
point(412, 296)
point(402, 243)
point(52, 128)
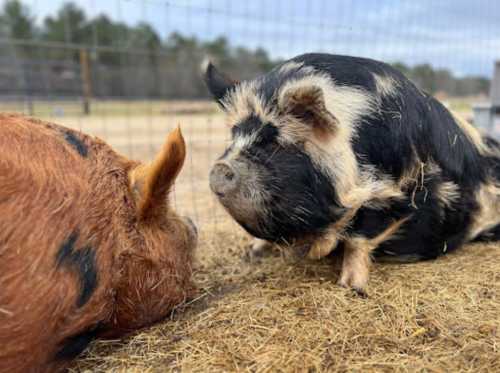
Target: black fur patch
point(266, 132)
point(66, 249)
point(432, 230)
point(246, 127)
point(270, 83)
point(83, 262)
point(76, 143)
point(302, 199)
point(75, 345)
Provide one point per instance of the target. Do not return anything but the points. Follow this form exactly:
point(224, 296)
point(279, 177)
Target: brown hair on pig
point(88, 247)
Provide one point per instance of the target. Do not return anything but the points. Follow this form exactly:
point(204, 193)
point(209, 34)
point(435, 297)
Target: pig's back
point(407, 125)
point(350, 71)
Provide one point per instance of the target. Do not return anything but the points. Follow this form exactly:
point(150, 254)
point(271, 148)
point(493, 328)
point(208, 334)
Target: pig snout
point(224, 180)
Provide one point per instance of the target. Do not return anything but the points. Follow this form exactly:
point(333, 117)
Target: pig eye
point(235, 130)
point(267, 134)
point(255, 153)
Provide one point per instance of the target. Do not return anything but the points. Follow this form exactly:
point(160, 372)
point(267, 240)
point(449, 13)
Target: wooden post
point(86, 80)
point(28, 99)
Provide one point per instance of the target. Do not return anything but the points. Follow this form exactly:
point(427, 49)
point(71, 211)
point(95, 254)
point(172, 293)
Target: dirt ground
point(278, 313)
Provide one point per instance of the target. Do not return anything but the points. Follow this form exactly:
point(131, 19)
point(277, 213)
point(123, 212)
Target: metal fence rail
point(128, 70)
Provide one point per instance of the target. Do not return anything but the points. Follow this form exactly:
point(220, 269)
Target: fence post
point(27, 89)
point(86, 80)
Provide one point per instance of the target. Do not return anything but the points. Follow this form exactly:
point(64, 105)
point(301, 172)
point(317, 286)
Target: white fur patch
point(386, 85)
point(242, 142)
point(290, 66)
point(472, 134)
point(294, 66)
point(488, 216)
point(374, 191)
point(447, 193)
point(336, 157)
point(204, 65)
point(245, 101)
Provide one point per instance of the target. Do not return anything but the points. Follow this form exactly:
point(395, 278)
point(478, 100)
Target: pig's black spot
point(266, 132)
point(247, 126)
point(75, 345)
point(66, 249)
point(430, 231)
point(302, 198)
point(76, 143)
point(83, 262)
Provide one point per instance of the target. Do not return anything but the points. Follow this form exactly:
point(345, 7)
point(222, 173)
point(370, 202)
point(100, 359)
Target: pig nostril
point(229, 175)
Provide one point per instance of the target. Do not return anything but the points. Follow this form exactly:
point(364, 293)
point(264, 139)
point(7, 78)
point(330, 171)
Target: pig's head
point(155, 269)
point(273, 178)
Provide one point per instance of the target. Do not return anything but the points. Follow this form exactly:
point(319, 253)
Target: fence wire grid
point(128, 71)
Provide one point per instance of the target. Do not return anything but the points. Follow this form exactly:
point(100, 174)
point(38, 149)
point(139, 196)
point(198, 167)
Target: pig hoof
point(360, 292)
point(256, 250)
point(354, 286)
point(252, 254)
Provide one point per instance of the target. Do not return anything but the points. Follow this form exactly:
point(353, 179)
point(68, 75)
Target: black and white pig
point(332, 150)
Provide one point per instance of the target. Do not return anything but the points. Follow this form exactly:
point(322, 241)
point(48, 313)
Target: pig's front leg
point(258, 248)
point(324, 245)
point(357, 257)
point(356, 265)
point(328, 241)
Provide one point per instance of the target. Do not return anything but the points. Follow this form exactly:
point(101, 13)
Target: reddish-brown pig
point(89, 246)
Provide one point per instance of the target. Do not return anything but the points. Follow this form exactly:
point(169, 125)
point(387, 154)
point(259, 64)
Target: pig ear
point(217, 83)
point(307, 103)
point(151, 183)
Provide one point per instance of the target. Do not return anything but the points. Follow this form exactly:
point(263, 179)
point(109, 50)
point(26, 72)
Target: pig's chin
point(246, 214)
point(255, 220)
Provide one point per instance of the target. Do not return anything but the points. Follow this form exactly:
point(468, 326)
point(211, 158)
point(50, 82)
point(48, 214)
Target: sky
point(461, 35)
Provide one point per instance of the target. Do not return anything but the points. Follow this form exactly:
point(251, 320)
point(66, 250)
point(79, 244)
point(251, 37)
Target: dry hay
point(281, 314)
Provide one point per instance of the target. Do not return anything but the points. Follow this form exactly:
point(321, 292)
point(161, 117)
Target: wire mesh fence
point(128, 70)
